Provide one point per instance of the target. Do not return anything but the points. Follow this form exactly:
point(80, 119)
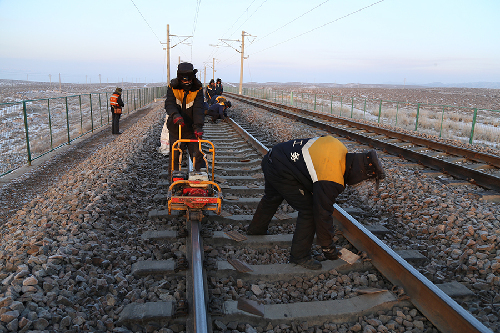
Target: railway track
point(227, 280)
point(453, 164)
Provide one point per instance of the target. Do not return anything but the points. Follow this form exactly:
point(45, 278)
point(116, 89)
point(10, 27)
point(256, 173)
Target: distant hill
point(488, 85)
point(483, 85)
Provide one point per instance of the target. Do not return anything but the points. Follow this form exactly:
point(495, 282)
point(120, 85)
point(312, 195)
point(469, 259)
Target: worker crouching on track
point(184, 106)
point(218, 110)
point(309, 174)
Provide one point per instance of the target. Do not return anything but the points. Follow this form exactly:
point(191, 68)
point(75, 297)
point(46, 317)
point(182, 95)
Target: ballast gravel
point(66, 256)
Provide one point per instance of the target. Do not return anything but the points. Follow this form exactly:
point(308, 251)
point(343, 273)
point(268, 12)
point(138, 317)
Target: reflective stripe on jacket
point(179, 97)
point(113, 100)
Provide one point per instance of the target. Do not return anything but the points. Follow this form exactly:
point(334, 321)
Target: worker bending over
point(309, 174)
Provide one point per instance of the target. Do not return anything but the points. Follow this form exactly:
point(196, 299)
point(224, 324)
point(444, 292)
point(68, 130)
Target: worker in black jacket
point(219, 89)
point(184, 106)
point(309, 174)
point(210, 91)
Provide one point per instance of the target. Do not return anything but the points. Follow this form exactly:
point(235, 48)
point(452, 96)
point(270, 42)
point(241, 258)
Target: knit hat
point(118, 91)
point(362, 166)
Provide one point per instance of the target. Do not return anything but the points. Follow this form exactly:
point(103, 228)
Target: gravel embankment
point(65, 257)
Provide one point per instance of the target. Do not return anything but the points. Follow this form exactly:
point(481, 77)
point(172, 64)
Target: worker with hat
point(184, 106)
point(309, 174)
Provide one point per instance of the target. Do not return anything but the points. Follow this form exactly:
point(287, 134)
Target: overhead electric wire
point(198, 3)
point(321, 26)
point(295, 19)
point(146, 21)
point(250, 16)
point(212, 54)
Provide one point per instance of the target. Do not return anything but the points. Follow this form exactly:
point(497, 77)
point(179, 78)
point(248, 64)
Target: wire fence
point(33, 128)
point(466, 124)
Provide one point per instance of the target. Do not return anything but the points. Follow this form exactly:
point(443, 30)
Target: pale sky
point(335, 41)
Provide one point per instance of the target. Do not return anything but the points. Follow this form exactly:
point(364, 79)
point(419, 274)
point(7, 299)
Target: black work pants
point(277, 188)
point(115, 123)
point(193, 148)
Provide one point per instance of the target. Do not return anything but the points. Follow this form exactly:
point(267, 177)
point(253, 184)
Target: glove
point(330, 252)
point(198, 134)
point(179, 121)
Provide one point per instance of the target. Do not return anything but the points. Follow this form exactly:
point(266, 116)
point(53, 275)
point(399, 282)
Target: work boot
point(307, 262)
point(331, 253)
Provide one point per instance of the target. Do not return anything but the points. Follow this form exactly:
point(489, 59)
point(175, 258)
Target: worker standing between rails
point(184, 106)
point(309, 174)
point(210, 91)
point(218, 92)
point(116, 109)
point(219, 89)
point(218, 110)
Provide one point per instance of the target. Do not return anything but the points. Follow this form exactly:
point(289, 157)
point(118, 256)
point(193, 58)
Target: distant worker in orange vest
point(116, 109)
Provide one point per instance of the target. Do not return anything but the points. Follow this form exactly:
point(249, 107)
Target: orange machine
point(192, 191)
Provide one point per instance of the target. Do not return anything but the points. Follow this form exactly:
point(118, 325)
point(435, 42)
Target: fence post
point(100, 107)
point(91, 113)
point(291, 98)
point(50, 125)
point(364, 110)
point(397, 111)
point(352, 106)
point(81, 113)
point(379, 111)
point(25, 115)
point(473, 126)
point(314, 102)
point(331, 104)
point(107, 106)
point(67, 120)
point(416, 120)
point(442, 118)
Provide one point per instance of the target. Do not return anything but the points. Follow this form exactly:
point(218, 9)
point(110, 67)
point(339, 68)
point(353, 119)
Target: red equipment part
point(195, 192)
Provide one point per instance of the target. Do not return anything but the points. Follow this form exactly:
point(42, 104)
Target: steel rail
point(438, 307)
point(447, 148)
point(459, 171)
point(200, 305)
point(249, 138)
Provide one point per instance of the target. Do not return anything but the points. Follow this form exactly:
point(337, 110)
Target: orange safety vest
point(113, 100)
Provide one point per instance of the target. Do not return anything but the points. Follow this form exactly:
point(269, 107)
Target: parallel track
point(476, 167)
point(217, 260)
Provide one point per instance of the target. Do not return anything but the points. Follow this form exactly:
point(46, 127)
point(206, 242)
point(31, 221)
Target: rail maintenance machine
point(190, 190)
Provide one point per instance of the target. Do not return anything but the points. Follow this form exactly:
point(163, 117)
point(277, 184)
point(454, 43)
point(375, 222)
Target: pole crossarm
point(229, 45)
point(181, 42)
